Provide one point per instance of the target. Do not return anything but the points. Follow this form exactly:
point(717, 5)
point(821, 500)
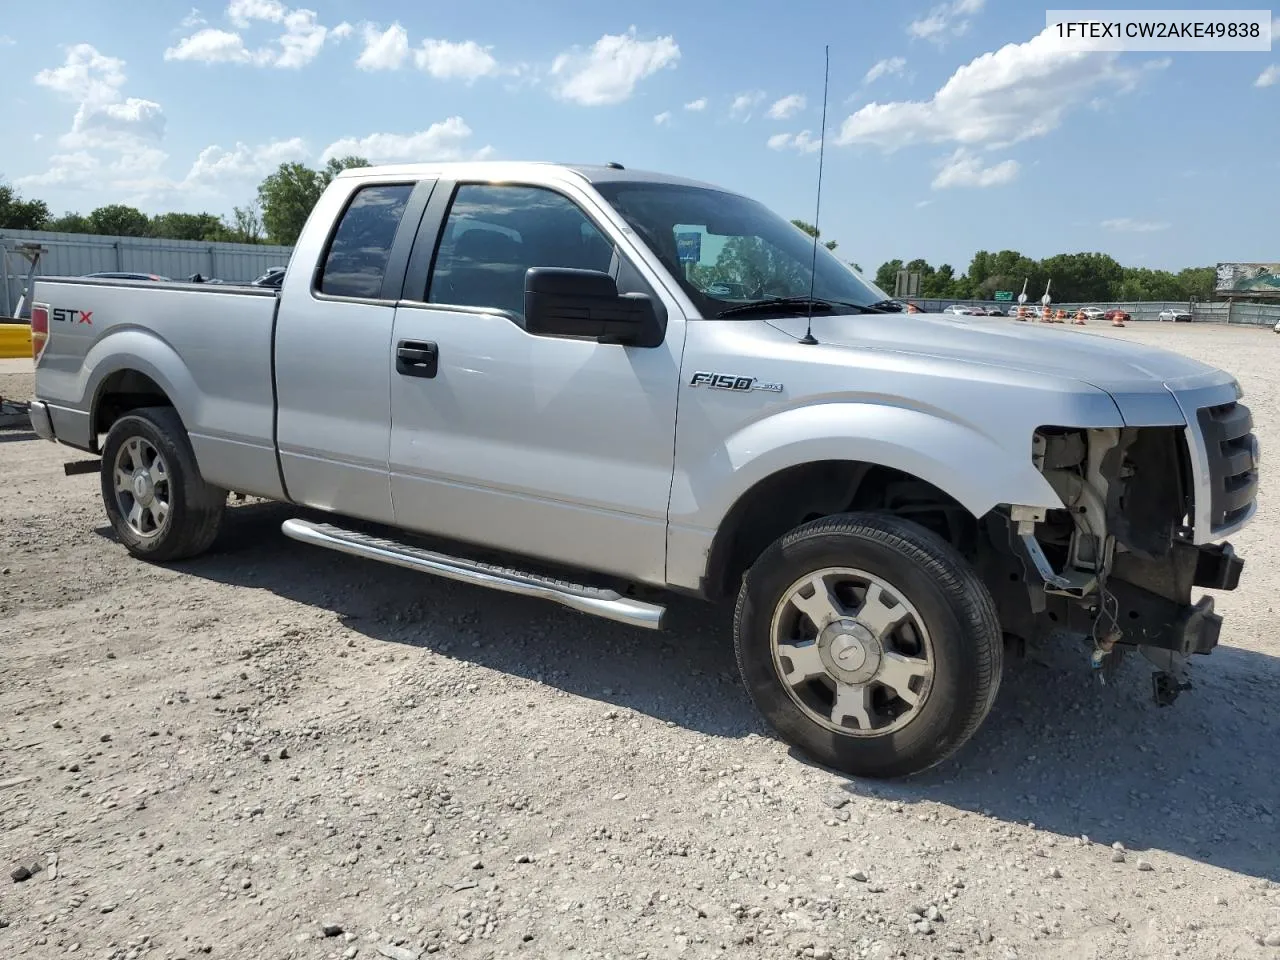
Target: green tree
point(814, 232)
point(71, 223)
point(887, 275)
point(1082, 277)
point(1197, 282)
point(187, 226)
point(19, 214)
point(119, 220)
point(288, 195)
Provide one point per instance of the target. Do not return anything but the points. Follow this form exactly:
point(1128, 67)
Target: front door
point(553, 447)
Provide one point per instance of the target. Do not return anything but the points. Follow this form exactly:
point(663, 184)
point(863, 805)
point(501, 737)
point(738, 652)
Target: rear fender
point(135, 348)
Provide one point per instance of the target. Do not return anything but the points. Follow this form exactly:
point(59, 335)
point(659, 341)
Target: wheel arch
point(795, 495)
point(816, 461)
point(133, 368)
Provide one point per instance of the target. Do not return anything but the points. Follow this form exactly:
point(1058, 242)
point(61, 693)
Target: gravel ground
point(277, 752)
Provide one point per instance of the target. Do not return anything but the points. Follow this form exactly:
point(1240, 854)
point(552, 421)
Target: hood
point(1138, 377)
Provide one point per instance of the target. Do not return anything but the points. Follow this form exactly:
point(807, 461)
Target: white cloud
point(466, 60)
point(242, 13)
point(7, 41)
point(383, 50)
point(662, 118)
point(964, 169)
point(86, 76)
point(114, 140)
point(193, 19)
point(342, 31)
point(696, 106)
point(215, 165)
point(301, 40)
point(804, 142)
point(944, 20)
point(65, 169)
point(215, 46)
point(1268, 77)
point(609, 71)
point(1020, 91)
point(446, 140)
point(885, 68)
point(1129, 225)
point(921, 204)
point(115, 125)
point(787, 106)
point(744, 103)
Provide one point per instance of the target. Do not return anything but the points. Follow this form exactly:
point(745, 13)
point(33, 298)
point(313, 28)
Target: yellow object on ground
point(15, 340)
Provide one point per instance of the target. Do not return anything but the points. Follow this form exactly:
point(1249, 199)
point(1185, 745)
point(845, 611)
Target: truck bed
point(207, 346)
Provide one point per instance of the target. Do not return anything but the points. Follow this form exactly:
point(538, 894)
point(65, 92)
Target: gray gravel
point(274, 752)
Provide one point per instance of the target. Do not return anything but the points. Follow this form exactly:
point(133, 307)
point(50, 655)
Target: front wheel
point(869, 643)
point(158, 504)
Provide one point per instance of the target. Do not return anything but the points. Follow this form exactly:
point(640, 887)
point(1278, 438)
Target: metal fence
point(75, 254)
point(1260, 314)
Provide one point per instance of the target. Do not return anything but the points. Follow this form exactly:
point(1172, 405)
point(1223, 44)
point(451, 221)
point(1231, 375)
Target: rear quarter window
point(356, 260)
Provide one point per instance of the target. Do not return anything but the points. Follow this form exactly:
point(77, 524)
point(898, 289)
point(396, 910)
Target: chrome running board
point(593, 600)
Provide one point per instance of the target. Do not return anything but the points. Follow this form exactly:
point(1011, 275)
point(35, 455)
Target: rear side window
point(358, 253)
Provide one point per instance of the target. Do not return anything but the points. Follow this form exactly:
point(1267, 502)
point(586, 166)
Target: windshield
point(728, 250)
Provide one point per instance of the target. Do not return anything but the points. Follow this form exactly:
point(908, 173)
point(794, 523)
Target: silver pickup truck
point(622, 384)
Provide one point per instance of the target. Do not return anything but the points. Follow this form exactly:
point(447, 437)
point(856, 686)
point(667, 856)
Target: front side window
point(361, 246)
point(495, 233)
point(727, 250)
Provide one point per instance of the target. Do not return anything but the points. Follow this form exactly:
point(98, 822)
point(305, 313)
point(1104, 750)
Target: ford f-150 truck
point(622, 384)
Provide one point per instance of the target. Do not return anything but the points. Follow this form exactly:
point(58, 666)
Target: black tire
point(953, 604)
point(195, 507)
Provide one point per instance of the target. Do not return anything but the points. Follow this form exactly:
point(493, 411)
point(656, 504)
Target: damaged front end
point(1118, 563)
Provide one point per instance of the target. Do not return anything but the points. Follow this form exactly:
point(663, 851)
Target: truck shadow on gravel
point(1060, 749)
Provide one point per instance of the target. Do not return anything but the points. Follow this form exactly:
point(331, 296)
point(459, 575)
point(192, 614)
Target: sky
point(951, 127)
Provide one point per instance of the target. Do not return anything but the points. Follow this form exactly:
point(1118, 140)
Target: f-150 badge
point(725, 381)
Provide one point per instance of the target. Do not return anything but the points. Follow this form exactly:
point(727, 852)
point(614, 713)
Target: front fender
point(957, 459)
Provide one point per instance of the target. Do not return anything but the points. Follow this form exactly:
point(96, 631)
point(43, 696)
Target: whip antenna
point(817, 207)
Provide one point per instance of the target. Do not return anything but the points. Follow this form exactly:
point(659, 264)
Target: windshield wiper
point(886, 306)
point(787, 304)
point(798, 305)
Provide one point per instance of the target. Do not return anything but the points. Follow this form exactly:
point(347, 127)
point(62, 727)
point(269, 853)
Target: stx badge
point(725, 381)
point(64, 315)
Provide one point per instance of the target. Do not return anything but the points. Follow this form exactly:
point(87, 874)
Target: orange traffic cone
point(1080, 320)
point(1022, 311)
point(912, 308)
point(1060, 316)
point(1116, 321)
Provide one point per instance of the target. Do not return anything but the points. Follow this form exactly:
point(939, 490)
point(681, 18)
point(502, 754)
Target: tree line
point(285, 197)
point(1076, 277)
point(276, 214)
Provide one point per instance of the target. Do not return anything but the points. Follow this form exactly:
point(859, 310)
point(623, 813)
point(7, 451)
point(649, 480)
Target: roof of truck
point(506, 169)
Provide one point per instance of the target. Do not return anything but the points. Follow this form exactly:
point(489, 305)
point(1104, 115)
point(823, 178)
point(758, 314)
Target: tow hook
point(1165, 687)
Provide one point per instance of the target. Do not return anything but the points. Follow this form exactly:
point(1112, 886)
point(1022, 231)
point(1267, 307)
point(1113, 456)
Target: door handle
point(417, 358)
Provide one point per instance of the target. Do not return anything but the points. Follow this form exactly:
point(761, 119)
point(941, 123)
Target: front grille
point(1233, 470)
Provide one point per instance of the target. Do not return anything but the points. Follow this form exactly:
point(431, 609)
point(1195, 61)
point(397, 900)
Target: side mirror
point(564, 302)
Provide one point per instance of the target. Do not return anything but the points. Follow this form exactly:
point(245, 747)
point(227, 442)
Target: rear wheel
point(869, 643)
point(158, 504)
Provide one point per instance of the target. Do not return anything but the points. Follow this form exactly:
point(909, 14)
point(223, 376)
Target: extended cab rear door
point(554, 447)
point(333, 352)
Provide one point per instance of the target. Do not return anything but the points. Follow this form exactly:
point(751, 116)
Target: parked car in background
point(116, 275)
point(274, 277)
point(1115, 314)
point(959, 309)
point(1092, 313)
point(1175, 315)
